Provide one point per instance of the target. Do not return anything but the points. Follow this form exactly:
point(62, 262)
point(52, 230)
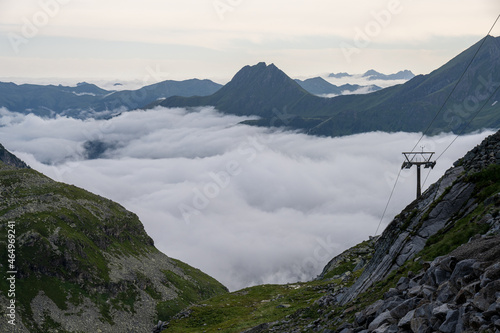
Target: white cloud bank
point(247, 205)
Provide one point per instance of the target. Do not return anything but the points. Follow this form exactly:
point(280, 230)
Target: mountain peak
point(259, 90)
point(371, 72)
point(401, 75)
point(339, 75)
point(257, 69)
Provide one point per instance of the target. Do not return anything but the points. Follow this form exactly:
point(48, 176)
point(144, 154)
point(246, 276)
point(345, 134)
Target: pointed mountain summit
point(254, 90)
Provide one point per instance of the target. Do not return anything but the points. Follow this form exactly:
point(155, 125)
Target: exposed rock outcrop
point(456, 293)
point(10, 159)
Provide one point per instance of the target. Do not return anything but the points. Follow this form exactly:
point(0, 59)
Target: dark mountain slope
point(84, 263)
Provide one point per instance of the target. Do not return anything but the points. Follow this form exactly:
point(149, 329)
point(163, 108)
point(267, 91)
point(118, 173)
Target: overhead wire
point(388, 201)
point(435, 117)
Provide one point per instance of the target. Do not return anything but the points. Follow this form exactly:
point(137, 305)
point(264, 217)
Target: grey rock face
point(438, 207)
point(11, 160)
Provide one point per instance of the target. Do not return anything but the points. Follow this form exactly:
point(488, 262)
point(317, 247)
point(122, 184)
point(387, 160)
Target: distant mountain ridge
point(401, 75)
point(339, 75)
point(374, 75)
point(319, 86)
point(88, 100)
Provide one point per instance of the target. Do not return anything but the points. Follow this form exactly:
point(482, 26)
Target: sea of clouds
point(247, 205)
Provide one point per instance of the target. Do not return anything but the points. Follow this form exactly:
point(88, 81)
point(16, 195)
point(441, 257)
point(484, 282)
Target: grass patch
point(192, 288)
point(341, 268)
point(249, 307)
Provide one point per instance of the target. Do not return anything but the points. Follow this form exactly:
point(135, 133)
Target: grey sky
point(181, 39)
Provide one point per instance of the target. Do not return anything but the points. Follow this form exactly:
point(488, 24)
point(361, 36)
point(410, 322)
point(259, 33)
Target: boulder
point(445, 293)
point(477, 321)
point(467, 292)
point(441, 311)
point(404, 308)
point(373, 309)
point(440, 275)
point(424, 311)
point(383, 318)
point(389, 305)
point(480, 302)
point(386, 328)
point(462, 270)
point(391, 293)
point(420, 325)
point(491, 292)
point(403, 284)
point(405, 322)
point(448, 264)
point(417, 290)
point(451, 321)
point(492, 272)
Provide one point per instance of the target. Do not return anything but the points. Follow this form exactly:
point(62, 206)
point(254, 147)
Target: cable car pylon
point(418, 159)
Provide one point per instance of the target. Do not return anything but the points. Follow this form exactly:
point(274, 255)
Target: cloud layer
point(247, 205)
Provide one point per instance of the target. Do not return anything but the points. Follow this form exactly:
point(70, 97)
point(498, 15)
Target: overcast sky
point(247, 205)
point(153, 40)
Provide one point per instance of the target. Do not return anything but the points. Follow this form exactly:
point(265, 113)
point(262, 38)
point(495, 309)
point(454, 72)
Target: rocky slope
point(436, 268)
point(458, 195)
point(84, 263)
